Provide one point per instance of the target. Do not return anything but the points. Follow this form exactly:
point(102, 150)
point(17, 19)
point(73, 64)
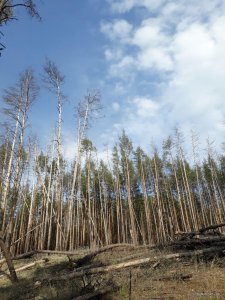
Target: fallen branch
point(96, 293)
point(139, 262)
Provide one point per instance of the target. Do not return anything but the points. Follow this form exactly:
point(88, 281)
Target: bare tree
point(86, 110)
point(19, 100)
point(54, 80)
point(27, 91)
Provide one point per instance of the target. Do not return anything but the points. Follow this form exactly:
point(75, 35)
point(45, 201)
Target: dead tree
point(54, 80)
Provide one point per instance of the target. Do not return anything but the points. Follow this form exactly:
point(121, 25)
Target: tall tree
point(126, 149)
point(26, 93)
point(54, 80)
point(86, 110)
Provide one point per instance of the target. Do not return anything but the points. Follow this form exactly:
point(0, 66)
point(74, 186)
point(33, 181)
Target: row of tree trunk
point(47, 203)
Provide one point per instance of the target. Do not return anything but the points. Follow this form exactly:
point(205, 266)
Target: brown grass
point(207, 279)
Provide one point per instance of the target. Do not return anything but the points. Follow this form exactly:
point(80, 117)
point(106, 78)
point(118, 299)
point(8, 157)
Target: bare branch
point(52, 77)
point(8, 12)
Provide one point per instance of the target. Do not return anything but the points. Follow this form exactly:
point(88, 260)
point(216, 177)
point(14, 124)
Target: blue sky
point(158, 64)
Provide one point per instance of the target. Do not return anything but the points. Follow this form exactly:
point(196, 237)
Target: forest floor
point(197, 277)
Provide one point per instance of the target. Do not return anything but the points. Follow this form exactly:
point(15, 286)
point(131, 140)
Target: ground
point(197, 278)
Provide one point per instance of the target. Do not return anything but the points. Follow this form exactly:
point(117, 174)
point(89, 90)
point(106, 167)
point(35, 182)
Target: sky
point(159, 64)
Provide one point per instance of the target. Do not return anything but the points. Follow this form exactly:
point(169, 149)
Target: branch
point(29, 5)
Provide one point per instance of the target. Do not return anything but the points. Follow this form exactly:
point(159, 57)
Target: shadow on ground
point(38, 284)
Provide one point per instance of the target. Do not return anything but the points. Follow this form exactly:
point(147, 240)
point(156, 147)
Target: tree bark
point(8, 260)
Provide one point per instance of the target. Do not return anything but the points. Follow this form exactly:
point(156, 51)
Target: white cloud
point(105, 155)
point(195, 93)
point(153, 46)
point(113, 54)
point(122, 67)
point(115, 106)
point(156, 58)
point(69, 150)
point(149, 34)
point(69, 146)
point(122, 6)
point(140, 116)
point(119, 88)
point(118, 29)
point(145, 107)
point(183, 44)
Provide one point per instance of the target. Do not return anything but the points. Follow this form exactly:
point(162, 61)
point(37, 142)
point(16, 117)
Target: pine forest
point(130, 197)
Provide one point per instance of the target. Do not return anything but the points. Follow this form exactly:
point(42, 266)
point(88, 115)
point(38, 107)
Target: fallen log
point(97, 265)
point(191, 234)
point(195, 242)
point(100, 292)
point(78, 252)
point(30, 265)
point(87, 258)
point(139, 262)
point(211, 227)
point(134, 256)
point(87, 267)
point(21, 256)
point(25, 255)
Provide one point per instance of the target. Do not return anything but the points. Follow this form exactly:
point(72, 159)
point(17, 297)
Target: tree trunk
point(8, 260)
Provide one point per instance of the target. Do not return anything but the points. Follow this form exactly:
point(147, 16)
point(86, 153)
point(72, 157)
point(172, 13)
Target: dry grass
point(143, 283)
point(205, 283)
point(35, 282)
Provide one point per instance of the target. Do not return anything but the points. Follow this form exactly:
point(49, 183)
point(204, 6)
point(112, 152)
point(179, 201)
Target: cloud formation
point(122, 6)
point(181, 48)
